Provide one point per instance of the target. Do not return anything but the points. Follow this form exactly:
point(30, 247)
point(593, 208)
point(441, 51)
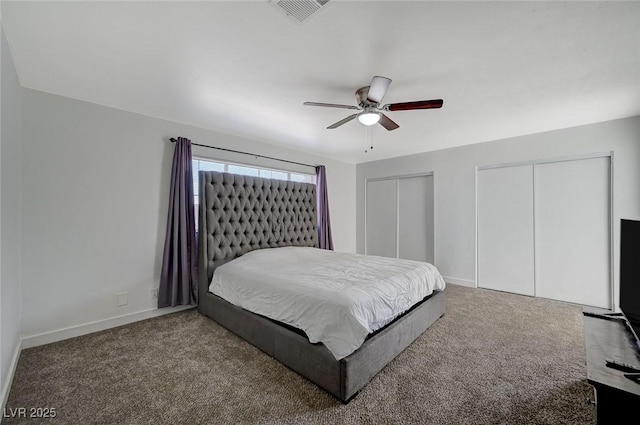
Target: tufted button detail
point(246, 213)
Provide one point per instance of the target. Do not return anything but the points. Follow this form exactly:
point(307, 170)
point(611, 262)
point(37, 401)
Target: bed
point(261, 222)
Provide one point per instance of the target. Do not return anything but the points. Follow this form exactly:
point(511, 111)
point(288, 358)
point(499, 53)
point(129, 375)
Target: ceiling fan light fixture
point(368, 99)
point(369, 118)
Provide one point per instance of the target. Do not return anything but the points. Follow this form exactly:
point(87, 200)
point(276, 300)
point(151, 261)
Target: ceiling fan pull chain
point(368, 139)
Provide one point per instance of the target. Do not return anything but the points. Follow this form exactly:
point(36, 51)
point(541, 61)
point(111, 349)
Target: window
point(198, 165)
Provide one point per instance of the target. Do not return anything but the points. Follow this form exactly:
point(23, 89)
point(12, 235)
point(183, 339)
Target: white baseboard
point(78, 330)
point(100, 325)
point(12, 370)
point(462, 282)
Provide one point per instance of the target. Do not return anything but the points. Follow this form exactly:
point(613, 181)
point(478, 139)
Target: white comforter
point(335, 298)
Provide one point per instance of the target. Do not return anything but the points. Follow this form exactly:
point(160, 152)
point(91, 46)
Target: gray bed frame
point(238, 214)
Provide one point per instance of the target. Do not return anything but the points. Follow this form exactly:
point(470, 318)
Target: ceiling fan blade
point(378, 88)
point(342, 121)
point(408, 106)
point(330, 105)
point(387, 122)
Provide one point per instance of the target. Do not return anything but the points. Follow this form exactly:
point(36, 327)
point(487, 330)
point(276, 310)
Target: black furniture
point(609, 347)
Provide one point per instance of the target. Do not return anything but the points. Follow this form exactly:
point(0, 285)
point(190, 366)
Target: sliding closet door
point(381, 218)
point(505, 229)
point(415, 218)
point(572, 226)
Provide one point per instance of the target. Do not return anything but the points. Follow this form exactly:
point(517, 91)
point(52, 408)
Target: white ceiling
point(503, 68)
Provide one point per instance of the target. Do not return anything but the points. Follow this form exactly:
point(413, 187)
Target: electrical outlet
point(122, 298)
point(154, 293)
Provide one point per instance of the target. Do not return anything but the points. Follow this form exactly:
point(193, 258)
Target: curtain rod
point(247, 153)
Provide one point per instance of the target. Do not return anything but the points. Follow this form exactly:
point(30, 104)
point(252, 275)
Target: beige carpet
point(494, 358)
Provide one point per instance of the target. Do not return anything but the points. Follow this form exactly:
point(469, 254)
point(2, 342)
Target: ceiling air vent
point(300, 10)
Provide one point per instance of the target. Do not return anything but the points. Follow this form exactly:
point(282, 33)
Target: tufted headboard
point(238, 214)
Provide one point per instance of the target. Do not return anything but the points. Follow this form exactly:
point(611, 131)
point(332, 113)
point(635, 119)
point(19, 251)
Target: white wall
point(10, 217)
point(454, 179)
point(95, 185)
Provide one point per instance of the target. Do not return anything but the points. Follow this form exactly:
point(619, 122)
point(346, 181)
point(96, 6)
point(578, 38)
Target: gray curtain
point(322, 204)
point(179, 277)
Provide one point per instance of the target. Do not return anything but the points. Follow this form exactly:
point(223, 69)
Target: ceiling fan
point(369, 99)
